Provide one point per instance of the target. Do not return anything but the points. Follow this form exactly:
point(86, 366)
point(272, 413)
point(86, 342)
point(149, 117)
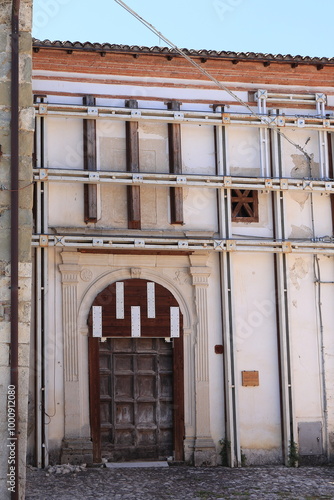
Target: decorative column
point(75, 448)
point(205, 450)
point(70, 276)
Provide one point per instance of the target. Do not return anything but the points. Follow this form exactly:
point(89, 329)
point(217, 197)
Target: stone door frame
point(77, 298)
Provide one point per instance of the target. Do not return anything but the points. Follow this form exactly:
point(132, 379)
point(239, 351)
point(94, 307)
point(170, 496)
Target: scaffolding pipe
point(41, 221)
point(282, 313)
point(62, 175)
point(322, 360)
point(232, 440)
point(263, 120)
point(44, 318)
point(181, 243)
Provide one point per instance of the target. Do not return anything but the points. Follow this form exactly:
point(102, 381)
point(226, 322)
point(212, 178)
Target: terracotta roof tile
point(250, 56)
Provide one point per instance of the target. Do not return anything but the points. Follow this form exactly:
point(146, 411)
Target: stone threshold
point(119, 465)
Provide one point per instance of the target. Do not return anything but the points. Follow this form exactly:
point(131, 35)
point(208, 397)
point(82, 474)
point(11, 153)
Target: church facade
point(183, 257)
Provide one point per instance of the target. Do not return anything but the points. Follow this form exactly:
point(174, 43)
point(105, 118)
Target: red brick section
point(153, 65)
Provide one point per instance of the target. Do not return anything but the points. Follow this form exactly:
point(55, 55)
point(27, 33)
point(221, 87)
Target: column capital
point(200, 275)
point(70, 257)
point(199, 259)
point(69, 273)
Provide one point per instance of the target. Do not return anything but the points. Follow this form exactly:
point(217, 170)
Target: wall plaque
point(250, 378)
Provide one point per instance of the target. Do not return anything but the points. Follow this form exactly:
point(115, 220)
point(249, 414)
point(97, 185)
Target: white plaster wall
point(200, 212)
point(66, 200)
point(110, 145)
point(198, 149)
point(153, 147)
point(131, 87)
point(216, 367)
point(198, 157)
point(66, 205)
point(243, 151)
point(321, 206)
point(298, 215)
point(304, 337)
point(154, 157)
point(327, 361)
point(64, 143)
point(55, 356)
point(294, 162)
point(330, 98)
point(256, 349)
point(65, 99)
point(301, 208)
point(301, 112)
point(254, 303)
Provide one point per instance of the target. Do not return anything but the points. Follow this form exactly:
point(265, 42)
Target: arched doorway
point(136, 373)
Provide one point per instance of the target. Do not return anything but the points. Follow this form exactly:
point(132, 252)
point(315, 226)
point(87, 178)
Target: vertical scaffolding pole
point(264, 136)
point(41, 227)
point(226, 283)
point(282, 312)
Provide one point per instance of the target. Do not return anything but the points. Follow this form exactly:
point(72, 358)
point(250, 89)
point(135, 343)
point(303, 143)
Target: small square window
point(245, 205)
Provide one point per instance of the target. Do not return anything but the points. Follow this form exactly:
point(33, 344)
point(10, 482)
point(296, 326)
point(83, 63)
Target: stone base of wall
point(205, 454)
point(261, 456)
point(331, 447)
point(312, 460)
point(77, 451)
point(189, 444)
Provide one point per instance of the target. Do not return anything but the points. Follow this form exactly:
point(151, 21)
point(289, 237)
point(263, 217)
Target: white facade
point(263, 290)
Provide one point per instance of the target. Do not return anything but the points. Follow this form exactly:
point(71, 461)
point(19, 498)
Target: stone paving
point(183, 483)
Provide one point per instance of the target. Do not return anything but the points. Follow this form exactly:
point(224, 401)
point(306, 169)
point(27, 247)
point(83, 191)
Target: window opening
point(245, 205)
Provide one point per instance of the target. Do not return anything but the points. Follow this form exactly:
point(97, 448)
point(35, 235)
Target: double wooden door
point(136, 383)
point(136, 399)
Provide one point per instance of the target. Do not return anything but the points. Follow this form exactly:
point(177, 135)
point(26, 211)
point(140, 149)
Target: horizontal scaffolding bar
point(167, 180)
point(323, 245)
point(198, 117)
point(290, 98)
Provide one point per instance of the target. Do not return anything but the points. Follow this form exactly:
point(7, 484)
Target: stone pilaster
point(70, 271)
point(205, 450)
point(70, 278)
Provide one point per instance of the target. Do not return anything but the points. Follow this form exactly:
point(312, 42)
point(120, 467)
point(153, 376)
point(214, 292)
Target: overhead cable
point(209, 76)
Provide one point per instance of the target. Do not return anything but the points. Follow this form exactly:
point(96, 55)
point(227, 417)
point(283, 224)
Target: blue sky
point(303, 27)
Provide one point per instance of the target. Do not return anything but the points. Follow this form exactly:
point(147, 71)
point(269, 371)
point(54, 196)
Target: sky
point(296, 27)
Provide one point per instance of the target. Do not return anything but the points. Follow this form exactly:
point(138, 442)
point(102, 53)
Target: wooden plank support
point(94, 392)
point(89, 150)
point(132, 165)
point(175, 166)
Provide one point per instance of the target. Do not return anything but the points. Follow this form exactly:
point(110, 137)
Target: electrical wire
point(211, 77)
point(4, 188)
point(321, 348)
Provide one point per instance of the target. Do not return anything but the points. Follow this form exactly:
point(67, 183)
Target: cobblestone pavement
point(184, 483)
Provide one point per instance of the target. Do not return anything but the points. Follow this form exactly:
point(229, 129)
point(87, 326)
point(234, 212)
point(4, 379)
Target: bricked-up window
point(245, 205)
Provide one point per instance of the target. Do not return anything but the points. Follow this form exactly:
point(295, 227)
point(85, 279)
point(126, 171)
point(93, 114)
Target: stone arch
point(106, 373)
point(110, 277)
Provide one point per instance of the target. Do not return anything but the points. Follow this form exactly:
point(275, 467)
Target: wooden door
point(136, 384)
point(136, 399)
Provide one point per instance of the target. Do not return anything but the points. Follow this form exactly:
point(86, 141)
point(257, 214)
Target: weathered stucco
point(263, 309)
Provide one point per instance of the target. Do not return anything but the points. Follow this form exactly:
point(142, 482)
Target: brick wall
point(147, 65)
